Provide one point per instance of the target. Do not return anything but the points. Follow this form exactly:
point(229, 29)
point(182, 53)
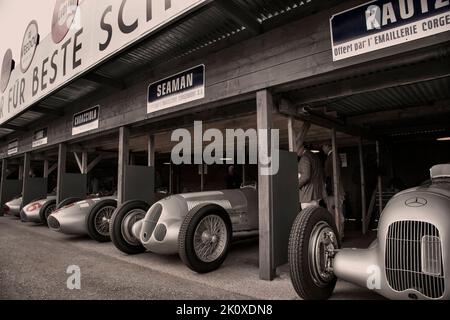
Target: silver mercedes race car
point(80, 217)
point(39, 210)
point(409, 260)
point(12, 207)
point(197, 226)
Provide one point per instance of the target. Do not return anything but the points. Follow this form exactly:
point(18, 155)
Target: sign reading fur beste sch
point(382, 23)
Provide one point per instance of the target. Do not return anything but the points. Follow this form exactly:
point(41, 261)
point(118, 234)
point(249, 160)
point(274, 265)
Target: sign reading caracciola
point(384, 23)
point(84, 33)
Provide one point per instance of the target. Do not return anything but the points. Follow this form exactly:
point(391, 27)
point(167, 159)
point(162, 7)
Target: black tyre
point(47, 210)
point(311, 249)
point(99, 218)
point(67, 201)
point(204, 238)
point(122, 222)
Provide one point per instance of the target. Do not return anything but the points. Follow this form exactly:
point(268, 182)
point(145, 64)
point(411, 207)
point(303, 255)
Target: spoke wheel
point(49, 210)
point(102, 220)
point(210, 238)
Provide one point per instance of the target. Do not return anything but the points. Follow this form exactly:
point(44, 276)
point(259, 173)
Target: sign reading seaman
point(13, 147)
point(84, 34)
point(382, 23)
point(86, 120)
point(181, 88)
point(40, 138)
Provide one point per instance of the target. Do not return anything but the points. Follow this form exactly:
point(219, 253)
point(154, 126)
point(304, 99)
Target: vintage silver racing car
point(197, 226)
point(38, 211)
point(90, 216)
point(12, 207)
point(409, 260)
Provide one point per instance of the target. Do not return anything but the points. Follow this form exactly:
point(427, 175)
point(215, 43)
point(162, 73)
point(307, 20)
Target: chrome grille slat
point(413, 258)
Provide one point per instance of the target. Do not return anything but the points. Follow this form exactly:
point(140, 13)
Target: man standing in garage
point(329, 185)
point(310, 181)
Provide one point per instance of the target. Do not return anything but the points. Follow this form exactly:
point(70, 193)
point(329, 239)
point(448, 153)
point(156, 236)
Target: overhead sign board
point(40, 138)
point(382, 23)
point(86, 120)
point(181, 88)
point(13, 147)
point(84, 34)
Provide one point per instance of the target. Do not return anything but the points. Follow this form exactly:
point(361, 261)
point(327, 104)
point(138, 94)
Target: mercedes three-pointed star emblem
point(416, 202)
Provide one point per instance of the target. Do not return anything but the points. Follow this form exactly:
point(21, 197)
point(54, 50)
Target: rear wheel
point(47, 210)
point(312, 245)
point(99, 218)
point(122, 224)
point(204, 238)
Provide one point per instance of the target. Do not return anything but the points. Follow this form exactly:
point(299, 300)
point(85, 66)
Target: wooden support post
point(170, 179)
point(264, 109)
point(379, 182)
point(46, 167)
point(124, 153)
point(62, 157)
point(337, 203)
point(151, 150)
point(84, 162)
point(363, 187)
point(296, 139)
point(2, 184)
point(291, 134)
point(26, 170)
point(52, 168)
point(20, 175)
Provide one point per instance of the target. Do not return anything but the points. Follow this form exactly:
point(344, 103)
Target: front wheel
point(122, 224)
point(204, 238)
point(99, 218)
point(47, 210)
point(312, 246)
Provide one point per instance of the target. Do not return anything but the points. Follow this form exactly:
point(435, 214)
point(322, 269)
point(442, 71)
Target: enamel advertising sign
point(382, 23)
point(84, 34)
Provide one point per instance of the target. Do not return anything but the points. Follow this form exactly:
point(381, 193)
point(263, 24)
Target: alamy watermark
point(74, 280)
point(229, 148)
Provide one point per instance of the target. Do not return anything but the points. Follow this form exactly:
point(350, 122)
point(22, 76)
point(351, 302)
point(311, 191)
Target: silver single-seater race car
point(12, 207)
point(38, 211)
point(90, 216)
point(198, 226)
point(408, 260)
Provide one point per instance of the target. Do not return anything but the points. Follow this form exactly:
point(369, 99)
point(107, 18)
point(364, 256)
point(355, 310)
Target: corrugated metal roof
point(417, 94)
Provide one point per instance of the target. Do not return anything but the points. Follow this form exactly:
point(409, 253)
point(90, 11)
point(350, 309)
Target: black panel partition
point(35, 188)
point(139, 183)
point(73, 185)
point(11, 189)
point(285, 205)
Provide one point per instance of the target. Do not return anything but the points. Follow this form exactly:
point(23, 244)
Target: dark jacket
point(311, 181)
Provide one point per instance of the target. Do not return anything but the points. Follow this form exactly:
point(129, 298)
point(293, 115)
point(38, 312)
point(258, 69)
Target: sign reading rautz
point(13, 147)
point(86, 120)
point(382, 23)
point(181, 88)
point(40, 138)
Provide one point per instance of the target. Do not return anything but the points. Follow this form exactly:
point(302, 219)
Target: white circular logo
point(29, 44)
point(7, 67)
point(63, 17)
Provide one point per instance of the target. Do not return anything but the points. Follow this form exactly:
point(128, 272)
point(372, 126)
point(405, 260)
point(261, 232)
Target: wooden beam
point(78, 160)
point(13, 127)
point(94, 163)
point(240, 16)
point(363, 187)
point(62, 159)
point(124, 153)
point(53, 168)
point(264, 110)
point(151, 150)
point(84, 162)
point(26, 173)
point(46, 164)
point(379, 182)
point(2, 184)
point(336, 177)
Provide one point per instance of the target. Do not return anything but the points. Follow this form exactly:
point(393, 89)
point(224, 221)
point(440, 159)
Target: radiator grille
point(414, 258)
point(53, 223)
